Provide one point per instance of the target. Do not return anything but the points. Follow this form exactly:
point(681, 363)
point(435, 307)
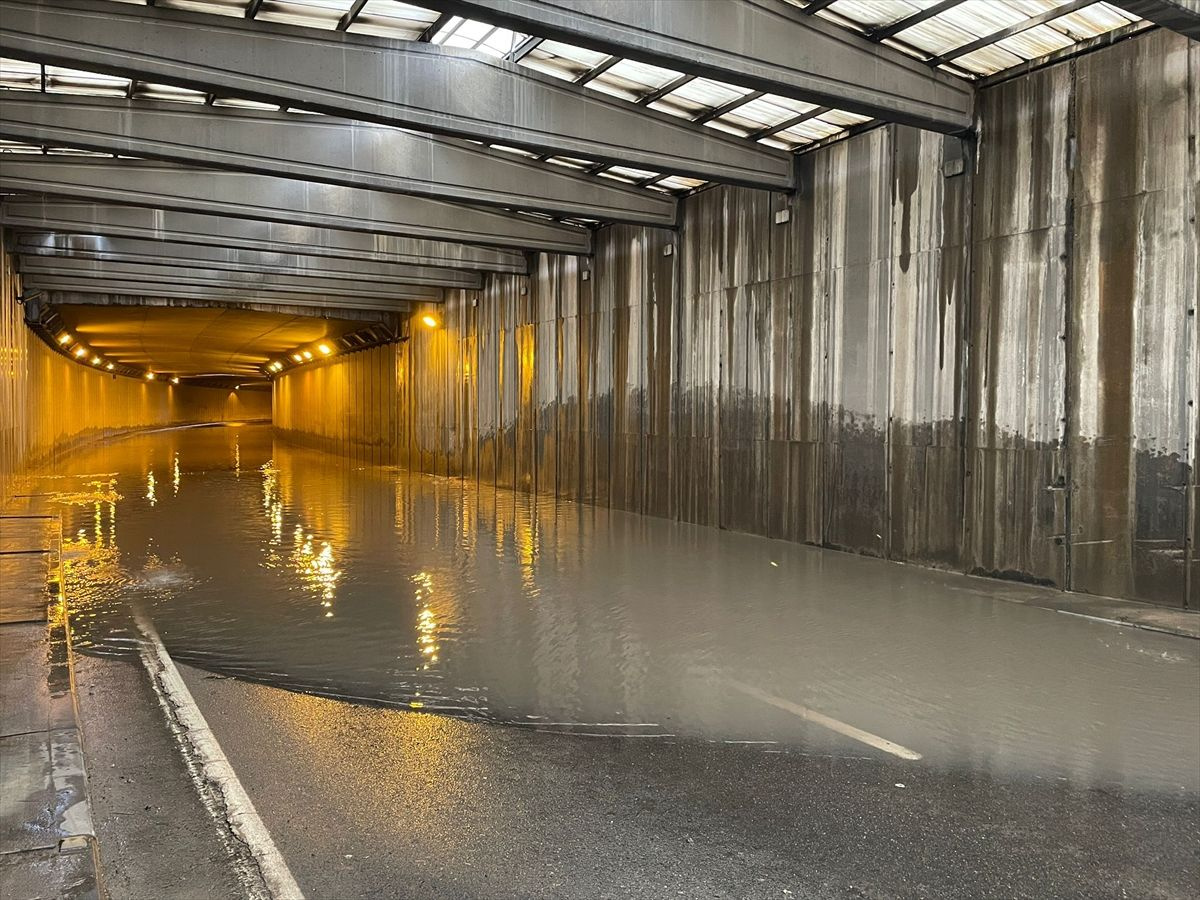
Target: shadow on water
point(258, 560)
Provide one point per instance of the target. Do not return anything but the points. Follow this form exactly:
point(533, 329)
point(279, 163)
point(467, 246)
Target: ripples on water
point(311, 572)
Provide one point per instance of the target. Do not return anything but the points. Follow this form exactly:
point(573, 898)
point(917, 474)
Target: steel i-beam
point(154, 277)
point(166, 253)
point(324, 149)
point(768, 45)
point(241, 194)
point(406, 83)
point(39, 214)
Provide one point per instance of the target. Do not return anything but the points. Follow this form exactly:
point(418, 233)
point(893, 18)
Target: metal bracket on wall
point(955, 153)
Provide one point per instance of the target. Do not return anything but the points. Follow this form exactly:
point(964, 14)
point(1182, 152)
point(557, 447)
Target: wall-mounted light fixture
point(325, 349)
point(174, 379)
point(150, 376)
point(430, 321)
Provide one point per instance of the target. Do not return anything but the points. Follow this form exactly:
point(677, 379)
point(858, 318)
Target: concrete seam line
point(239, 813)
point(811, 715)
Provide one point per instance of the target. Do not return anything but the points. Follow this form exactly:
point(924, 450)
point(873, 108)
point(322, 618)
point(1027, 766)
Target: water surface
point(311, 572)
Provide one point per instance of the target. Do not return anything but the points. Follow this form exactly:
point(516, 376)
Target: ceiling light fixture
point(81, 352)
point(430, 321)
point(325, 348)
point(149, 376)
point(64, 338)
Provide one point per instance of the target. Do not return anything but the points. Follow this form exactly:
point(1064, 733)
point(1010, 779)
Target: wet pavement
point(624, 702)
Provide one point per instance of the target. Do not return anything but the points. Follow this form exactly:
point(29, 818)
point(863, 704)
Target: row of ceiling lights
point(307, 354)
point(80, 352)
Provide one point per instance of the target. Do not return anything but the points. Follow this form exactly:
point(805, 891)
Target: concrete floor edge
point(53, 852)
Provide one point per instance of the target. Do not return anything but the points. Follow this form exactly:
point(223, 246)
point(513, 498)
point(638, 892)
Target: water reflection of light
point(271, 502)
point(316, 567)
point(427, 624)
point(150, 494)
point(237, 457)
point(175, 475)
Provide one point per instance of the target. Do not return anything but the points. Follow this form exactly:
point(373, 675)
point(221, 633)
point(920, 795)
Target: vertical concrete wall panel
point(1133, 283)
point(1016, 494)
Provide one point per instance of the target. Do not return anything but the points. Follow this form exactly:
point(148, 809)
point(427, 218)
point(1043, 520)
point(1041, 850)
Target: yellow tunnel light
point(81, 352)
point(430, 321)
point(308, 354)
point(64, 338)
point(95, 360)
point(175, 379)
point(325, 348)
point(297, 357)
point(109, 367)
point(150, 376)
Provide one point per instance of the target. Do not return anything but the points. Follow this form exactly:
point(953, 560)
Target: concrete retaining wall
point(993, 372)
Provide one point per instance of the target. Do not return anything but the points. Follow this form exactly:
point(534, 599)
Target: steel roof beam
point(131, 250)
point(241, 194)
point(60, 293)
point(1182, 16)
point(39, 215)
point(768, 45)
point(325, 149)
point(406, 83)
point(152, 277)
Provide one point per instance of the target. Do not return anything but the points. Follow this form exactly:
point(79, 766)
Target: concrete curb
point(47, 839)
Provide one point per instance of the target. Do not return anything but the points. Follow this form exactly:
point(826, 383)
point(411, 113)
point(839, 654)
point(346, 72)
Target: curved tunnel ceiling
point(192, 342)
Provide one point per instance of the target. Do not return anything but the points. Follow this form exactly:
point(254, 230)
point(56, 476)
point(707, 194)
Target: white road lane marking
point(240, 811)
point(811, 715)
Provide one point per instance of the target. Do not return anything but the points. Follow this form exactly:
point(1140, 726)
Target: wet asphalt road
point(369, 802)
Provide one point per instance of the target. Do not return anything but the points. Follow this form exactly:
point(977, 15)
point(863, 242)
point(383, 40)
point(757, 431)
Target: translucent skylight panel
point(637, 174)
point(500, 43)
point(680, 183)
point(988, 60)
point(980, 17)
point(709, 93)
point(393, 19)
point(641, 75)
point(466, 36)
point(876, 14)
point(679, 106)
point(515, 151)
point(765, 111)
point(147, 91)
point(615, 88)
point(16, 74)
point(568, 163)
point(589, 59)
point(1094, 20)
point(1035, 42)
point(216, 7)
point(239, 103)
point(843, 118)
point(616, 176)
point(936, 36)
point(729, 127)
point(18, 147)
point(810, 130)
point(779, 142)
point(60, 80)
point(562, 60)
point(308, 13)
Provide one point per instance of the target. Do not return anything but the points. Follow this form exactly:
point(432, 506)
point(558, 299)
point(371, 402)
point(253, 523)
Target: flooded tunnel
point(532, 448)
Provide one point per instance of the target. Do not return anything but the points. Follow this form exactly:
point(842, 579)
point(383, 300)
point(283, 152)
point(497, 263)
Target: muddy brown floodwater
point(311, 572)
